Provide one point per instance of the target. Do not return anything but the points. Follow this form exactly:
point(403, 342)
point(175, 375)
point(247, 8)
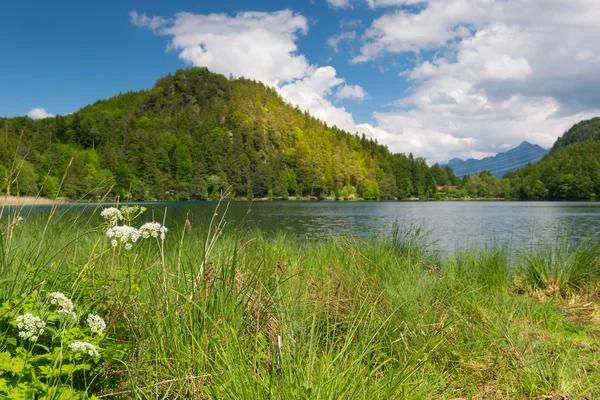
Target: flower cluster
point(30, 327)
point(126, 235)
point(153, 229)
point(66, 306)
point(84, 347)
point(96, 324)
point(112, 215)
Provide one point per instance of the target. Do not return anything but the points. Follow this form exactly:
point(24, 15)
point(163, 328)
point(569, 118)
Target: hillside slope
point(193, 135)
point(571, 171)
point(501, 163)
point(584, 131)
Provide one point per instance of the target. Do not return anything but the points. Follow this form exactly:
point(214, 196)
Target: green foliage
point(46, 365)
point(192, 136)
point(584, 131)
point(561, 268)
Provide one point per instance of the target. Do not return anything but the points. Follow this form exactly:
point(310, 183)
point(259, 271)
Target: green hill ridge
point(195, 134)
point(571, 171)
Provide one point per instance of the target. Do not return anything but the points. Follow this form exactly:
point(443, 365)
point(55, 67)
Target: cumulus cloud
point(387, 3)
point(255, 45)
point(353, 92)
point(503, 72)
point(38, 113)
point(339, 3)
point(312, 92)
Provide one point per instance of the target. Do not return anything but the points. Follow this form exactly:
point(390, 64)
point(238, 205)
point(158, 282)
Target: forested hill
point(570, 171)
point(196, 133)
point(584, 131)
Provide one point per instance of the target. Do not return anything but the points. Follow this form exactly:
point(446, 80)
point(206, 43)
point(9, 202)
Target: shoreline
point(27, 201)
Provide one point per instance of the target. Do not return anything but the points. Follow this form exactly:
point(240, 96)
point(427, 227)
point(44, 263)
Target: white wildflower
point(126, 235)
point(30, 327)
point(153, 229)
point(112, 215)
point(85, 348)
point(66, 306)
point(96, 324)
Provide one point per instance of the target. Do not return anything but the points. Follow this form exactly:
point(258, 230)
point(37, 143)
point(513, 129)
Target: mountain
point(194, 135)
point(501, 163)
point(571, 171)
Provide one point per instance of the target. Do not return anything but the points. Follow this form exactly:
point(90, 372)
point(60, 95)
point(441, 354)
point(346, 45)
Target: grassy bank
point(213, 312)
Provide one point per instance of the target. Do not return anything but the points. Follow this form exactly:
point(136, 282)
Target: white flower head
point(30, 327)
point(85, 348)
point(66, 306)
point(125, 235)
point(112, 215)
point(153, 229)
point(96, 324)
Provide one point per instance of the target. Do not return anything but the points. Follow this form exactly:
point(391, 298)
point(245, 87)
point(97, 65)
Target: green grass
point(222, 313)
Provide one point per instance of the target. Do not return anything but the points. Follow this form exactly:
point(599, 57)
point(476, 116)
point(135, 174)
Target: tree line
point(196, 134)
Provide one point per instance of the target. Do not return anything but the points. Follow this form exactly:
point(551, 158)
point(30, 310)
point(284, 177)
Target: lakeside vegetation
point(213, 311)
point(196, 134)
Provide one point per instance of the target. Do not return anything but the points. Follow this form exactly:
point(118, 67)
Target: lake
point(450, 225)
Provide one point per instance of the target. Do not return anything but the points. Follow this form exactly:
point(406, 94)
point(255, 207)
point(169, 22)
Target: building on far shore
point(449, 188)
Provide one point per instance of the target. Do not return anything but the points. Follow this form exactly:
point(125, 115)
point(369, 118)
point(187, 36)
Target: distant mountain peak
point(502, 162)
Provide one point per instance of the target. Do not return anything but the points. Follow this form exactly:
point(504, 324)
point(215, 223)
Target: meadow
point(208, 310)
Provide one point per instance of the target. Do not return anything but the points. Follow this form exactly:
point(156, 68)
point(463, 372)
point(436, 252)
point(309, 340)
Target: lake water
point(450, 225)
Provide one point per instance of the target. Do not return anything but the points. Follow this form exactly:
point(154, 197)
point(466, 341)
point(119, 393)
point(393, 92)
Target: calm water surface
point(450, 225)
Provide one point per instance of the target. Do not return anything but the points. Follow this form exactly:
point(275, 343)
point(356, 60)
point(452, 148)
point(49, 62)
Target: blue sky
point(439, 78)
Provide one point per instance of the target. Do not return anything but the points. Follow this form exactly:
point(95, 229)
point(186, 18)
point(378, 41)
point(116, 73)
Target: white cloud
point(334, 41)
point(587, 56)
point(255, 45)
point(142, 21)
point(311, 93)
point(388, 3)
point(339, 3)
point(503, 72)
point(353, 92)
point(403, 30)
point(38, 113)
